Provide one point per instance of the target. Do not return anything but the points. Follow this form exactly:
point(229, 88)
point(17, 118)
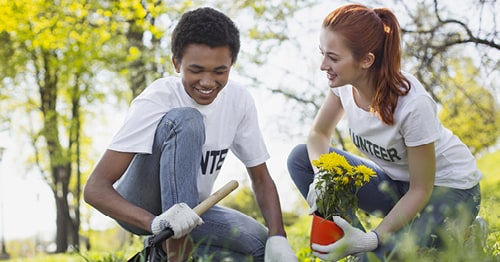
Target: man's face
point(204, 71)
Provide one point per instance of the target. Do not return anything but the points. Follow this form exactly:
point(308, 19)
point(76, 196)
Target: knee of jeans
point(184, 119)
point(185, 114)
point(296, 155)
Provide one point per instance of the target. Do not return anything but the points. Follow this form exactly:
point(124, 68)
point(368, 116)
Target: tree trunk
point(59, 158)
point(74, 146)
point(63, 221)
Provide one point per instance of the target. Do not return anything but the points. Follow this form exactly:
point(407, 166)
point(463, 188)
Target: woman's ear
point(367, 61)
point(177, 65)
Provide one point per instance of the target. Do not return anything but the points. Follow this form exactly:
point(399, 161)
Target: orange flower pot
point(324, 231)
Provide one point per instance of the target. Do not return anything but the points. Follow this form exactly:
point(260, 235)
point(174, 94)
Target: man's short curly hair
point(205, 26)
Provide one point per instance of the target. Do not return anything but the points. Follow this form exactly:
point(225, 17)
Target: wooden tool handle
point(215, 197)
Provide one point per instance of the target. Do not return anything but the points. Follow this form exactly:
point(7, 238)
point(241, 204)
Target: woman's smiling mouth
point(331, 76)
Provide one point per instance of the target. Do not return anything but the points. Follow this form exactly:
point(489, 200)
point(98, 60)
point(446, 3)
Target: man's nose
point(207, 80)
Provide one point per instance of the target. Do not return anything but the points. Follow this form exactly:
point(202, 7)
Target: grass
point(116, 246)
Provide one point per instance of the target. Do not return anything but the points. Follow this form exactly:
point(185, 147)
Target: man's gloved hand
point(278, 250)
point(312, 195)
point(354, 241)
point(180, 218)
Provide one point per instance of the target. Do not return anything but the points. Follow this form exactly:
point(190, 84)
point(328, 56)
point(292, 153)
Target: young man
point(166, 156)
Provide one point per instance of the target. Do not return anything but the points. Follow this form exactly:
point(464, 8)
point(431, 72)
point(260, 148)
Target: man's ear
point(177, 65)
point(367, 61)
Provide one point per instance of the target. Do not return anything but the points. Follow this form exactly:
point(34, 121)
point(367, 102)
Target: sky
point(27, 206)
point(26, 199)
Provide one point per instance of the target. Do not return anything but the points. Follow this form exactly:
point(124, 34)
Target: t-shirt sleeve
point(137, 132)
point(248, 145)
point(421, 125)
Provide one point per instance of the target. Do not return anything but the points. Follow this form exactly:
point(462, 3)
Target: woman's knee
point(297, 156)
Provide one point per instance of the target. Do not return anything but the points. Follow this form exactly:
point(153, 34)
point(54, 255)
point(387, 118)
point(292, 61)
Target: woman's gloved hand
point(354, 241)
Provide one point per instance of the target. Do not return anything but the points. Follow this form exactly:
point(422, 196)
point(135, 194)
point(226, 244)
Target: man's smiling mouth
point(206, 92)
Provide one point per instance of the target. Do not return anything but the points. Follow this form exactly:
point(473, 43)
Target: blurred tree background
point(69, 66)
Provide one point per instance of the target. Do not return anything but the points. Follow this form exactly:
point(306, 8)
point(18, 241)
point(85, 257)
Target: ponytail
point(389, 81)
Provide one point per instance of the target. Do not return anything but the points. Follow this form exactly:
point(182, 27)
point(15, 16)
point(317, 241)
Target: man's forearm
point(268, 201)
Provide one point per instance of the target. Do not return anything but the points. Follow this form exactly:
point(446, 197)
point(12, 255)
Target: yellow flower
point(367, 172)
point(338, 184)
point(331, 162)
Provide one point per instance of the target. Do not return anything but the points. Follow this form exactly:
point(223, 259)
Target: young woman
point(426, 177)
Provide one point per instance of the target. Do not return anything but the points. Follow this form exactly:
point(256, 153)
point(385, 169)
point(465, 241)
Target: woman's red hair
point(374, 31)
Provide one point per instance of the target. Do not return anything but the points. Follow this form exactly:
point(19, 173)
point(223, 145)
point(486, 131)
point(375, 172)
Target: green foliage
point(490, 191)
point(468, 109)
point(243, 200)
point(298, 236)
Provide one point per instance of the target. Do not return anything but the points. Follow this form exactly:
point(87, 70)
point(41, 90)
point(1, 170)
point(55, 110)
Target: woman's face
point(340, 66)
point(204, 71)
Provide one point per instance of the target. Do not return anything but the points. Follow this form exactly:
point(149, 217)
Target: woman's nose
point(324, 66)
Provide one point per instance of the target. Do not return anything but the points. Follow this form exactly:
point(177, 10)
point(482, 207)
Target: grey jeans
point(167, 176)
point(447, 206)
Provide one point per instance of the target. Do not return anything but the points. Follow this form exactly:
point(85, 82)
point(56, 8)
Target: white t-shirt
point(416, 123)
point(231, 123)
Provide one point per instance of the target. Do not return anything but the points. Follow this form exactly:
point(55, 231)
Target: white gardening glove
point(180, 218)
point(354, 241)
point(312, 195)
point(278, 249)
